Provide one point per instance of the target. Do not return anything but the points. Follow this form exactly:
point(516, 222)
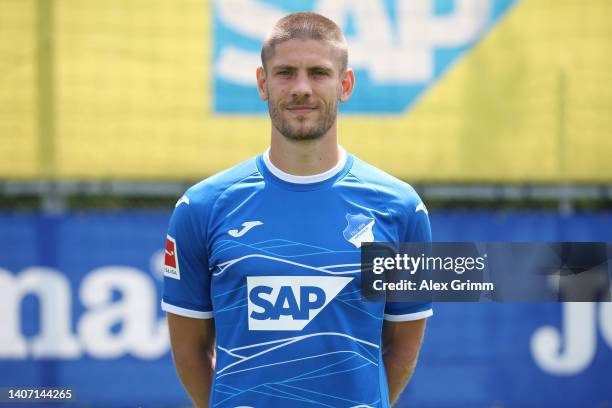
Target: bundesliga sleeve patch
point(171, 266)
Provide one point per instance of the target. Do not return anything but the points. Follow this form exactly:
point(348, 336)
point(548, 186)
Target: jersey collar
point(314, 178)
point(305, 182)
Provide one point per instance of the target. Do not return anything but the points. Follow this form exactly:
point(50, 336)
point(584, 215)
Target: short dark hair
point(306, 26)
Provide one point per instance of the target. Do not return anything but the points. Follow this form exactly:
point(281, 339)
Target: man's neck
point(304, 157)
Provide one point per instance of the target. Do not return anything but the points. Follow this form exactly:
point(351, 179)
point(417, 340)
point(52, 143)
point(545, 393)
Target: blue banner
point(80, 308)
point(397, 49)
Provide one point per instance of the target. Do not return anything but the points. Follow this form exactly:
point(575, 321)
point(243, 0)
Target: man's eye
point(283, 73)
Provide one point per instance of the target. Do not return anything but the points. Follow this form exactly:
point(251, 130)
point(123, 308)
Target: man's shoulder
point(208, 190)
point(390, 188)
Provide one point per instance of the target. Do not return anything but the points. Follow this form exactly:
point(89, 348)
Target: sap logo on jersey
point(398, 49)
point(289, 302)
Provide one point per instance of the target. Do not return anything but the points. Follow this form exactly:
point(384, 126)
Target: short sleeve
point(186, 276)
point(419, 230)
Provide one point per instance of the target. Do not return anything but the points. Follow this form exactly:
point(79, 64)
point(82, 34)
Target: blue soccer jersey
point(275, 259)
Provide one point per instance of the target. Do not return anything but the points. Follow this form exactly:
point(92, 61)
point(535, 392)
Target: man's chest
point(282, 260)
point(295, 227)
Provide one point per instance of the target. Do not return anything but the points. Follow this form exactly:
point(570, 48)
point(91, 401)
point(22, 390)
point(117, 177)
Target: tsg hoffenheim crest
point(359, 229)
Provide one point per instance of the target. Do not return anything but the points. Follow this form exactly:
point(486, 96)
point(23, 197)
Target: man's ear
point(261, 84)
point(347, 83)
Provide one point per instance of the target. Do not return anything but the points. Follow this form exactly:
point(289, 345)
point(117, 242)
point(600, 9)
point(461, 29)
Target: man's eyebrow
point(313, 68)
point(282, 67)
point(321, 68)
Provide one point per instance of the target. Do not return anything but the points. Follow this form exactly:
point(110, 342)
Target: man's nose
point(301, 86)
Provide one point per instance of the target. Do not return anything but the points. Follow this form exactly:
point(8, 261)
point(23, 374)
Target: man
point(262, 284)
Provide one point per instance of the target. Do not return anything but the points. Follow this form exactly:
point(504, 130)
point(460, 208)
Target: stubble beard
point(325, 122)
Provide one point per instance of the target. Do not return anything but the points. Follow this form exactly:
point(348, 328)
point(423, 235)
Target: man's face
point(302, 84)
